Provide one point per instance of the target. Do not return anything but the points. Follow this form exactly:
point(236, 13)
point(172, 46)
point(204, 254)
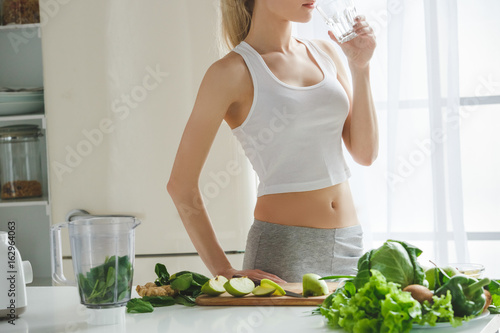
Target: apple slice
point(263, 291)
point(313, 286)
point(271, 284)
point(214, 286)
point(239, 287)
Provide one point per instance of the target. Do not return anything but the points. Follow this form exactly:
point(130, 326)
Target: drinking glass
point(339, 16)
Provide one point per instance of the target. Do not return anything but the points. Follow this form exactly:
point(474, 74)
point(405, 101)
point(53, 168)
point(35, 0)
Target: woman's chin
point(303, 19)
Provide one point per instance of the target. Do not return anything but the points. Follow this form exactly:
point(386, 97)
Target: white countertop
point(58, 309)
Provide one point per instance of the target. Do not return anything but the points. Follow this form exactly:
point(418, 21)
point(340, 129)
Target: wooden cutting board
point(250, 299)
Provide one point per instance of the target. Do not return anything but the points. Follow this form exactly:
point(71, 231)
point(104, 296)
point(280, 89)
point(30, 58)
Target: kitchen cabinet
point(115, 107)
point(21, 66)
point(118, 94)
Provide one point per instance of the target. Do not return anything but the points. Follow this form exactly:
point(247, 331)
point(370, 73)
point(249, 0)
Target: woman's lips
point(309, 5)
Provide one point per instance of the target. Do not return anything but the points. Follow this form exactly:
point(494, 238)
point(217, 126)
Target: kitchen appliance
point(20, 162)
point(102, 251)
point(15, 274)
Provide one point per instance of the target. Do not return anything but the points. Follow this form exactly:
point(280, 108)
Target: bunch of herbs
point(187, 284)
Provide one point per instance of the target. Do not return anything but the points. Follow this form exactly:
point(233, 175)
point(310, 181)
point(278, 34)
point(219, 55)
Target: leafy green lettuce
point(382, 306)
point(378, 306)
point(440, 310)
point(494, 289)
point(396, 260)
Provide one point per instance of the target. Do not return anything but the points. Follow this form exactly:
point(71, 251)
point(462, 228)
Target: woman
point(289, 103)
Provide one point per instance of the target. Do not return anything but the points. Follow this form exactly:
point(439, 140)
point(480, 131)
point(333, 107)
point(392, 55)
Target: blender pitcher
point(102, 251)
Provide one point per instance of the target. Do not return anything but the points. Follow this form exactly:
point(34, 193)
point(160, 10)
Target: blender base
point(106, 316)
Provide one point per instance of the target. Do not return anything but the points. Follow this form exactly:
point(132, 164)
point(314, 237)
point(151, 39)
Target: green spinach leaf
point(159, 301)
point(185, 300)
point(137, 305)
point(199, 279)
point(162, 273)
point(102, 284)
point(182, 282)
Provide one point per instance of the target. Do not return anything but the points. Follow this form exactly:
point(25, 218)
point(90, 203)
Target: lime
point(271, 284)
point(239, 286)
point(214, 286)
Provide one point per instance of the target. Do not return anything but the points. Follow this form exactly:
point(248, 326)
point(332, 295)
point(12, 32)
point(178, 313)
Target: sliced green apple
point(214, 286)
point(263, 291)
point(271, 284)
point(313, 286)
point(239, 287)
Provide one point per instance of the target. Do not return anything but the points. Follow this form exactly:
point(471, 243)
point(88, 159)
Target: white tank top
point(292, 135)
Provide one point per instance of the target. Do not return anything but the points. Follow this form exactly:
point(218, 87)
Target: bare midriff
point(326, 208)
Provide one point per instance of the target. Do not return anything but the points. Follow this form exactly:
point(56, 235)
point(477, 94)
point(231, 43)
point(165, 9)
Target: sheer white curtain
point(414, 191)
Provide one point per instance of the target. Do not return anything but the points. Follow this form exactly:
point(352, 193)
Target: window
point(436, 82)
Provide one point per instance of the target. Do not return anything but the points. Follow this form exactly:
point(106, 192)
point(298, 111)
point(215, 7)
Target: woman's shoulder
point(228, 78)
point(231, 68)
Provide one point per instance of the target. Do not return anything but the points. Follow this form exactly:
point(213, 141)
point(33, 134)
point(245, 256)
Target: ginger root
point(151, 289)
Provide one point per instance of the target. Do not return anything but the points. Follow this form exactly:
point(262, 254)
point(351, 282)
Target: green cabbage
point(396, 260)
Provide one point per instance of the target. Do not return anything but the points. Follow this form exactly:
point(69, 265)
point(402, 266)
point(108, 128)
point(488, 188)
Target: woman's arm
point(218, 91)
point(360, 131)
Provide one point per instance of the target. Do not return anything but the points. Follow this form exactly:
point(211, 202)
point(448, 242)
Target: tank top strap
point(323, 59)
point(254, 62)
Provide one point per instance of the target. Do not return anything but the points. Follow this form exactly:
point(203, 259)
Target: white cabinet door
point(121, 78)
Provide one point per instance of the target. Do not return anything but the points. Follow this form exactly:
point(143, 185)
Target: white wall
point(113, 156)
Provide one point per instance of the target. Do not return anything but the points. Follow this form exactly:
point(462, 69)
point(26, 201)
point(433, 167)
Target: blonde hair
point(236, 16)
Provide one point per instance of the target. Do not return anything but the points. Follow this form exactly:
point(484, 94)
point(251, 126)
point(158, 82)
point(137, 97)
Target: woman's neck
point(269, 33)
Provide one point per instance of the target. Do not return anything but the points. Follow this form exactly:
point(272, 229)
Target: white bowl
point(471, 270)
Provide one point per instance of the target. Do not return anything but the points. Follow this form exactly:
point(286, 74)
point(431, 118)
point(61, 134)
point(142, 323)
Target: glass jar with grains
point(20, 12)
point(20, 162)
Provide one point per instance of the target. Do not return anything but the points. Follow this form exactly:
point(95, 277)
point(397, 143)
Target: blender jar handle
point(56, 256)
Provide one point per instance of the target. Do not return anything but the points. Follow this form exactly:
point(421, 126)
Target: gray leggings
point(290, 252)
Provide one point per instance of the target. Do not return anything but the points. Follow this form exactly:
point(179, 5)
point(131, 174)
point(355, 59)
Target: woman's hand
point(253, 274)
point(359, 50)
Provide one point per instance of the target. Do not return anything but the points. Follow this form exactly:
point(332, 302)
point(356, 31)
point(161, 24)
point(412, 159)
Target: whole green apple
point(431, 274)
point(313, 286)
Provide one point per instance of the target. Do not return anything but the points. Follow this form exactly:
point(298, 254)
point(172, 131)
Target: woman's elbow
point(171, 187)
point(177, 188)
point(174, 187)
point(366, 159)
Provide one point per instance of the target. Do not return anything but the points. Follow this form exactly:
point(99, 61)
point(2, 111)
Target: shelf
point(23, 117)
point(19, 26)
point(24, 29)
point(42, 201)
